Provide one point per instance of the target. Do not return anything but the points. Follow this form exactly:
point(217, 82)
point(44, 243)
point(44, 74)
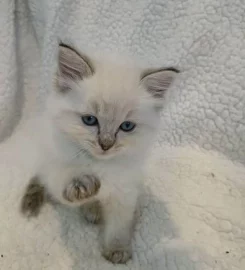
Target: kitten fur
point(73, 167)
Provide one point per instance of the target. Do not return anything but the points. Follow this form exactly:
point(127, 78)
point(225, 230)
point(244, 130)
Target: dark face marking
point(108, 124)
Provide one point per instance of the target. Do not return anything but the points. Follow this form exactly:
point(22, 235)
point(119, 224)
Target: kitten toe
point(117, 256)
point(33, 199)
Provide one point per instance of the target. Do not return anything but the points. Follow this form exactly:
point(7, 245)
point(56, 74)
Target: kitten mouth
point(98, 153)
point(103, 154)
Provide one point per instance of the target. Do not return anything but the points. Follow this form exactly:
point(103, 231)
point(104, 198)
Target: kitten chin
point(99, 123)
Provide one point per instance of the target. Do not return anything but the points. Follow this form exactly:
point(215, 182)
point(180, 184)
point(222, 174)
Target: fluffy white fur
point(69, 149)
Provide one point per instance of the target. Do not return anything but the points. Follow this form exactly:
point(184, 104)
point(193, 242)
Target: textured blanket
point(193, 207)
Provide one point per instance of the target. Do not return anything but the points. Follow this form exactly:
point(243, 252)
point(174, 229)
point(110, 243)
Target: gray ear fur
point(72, 66)
point(158, 81)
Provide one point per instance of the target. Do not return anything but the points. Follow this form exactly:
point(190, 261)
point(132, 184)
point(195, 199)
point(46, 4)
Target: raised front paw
point(81, 188)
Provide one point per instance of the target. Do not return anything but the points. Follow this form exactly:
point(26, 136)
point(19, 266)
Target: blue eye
point(127, 126)
point(89, 120)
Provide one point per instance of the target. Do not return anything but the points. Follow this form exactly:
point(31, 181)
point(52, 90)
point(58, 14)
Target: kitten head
point(107, 107)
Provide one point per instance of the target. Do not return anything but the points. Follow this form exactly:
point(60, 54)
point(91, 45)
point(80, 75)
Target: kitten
point(95, 133)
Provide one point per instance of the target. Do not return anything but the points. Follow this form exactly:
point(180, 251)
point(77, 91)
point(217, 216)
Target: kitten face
point(107, 109)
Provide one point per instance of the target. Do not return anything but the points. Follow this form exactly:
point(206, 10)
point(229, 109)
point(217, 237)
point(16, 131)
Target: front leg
point(92, 211)
point(119, 215)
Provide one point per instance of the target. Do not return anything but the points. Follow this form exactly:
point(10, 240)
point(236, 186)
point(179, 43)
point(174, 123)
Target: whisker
point(81, 150)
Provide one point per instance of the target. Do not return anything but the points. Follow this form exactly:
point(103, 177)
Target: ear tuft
point(158, 81)
point(72, 66)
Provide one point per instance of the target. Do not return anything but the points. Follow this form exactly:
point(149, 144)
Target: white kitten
point(100, 120)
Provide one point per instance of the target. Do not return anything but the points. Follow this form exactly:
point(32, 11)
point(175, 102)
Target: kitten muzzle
point(106, 141)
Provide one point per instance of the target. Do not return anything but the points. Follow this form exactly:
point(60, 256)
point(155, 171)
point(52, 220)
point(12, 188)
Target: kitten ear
point(72, 66)
point(158, 81)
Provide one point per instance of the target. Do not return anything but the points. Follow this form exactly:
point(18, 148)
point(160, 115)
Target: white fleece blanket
point(193, 215)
